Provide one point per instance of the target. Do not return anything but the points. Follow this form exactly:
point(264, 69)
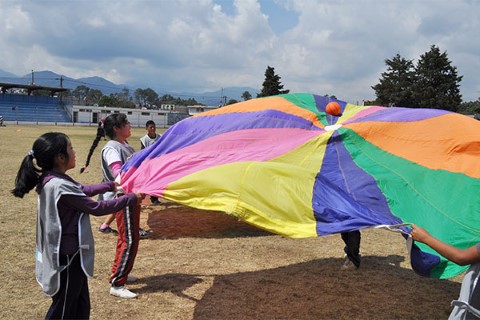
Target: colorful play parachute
point(283, 164)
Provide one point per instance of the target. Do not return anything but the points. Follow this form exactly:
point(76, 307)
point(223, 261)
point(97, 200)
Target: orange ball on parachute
point(333, 108)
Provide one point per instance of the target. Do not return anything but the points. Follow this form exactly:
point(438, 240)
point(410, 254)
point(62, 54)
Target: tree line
point(151, 100)
point(147, 98)
point(433, 82)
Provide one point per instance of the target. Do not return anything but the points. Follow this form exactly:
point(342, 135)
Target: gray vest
point(147, 141)
point(49, 236)
point(125, 151)
point(468, 304)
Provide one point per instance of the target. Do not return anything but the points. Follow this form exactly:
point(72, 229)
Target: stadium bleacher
point(17, 107)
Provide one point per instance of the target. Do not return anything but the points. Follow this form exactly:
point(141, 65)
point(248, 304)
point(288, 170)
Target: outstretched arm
point(459, 256)
point(99, 208)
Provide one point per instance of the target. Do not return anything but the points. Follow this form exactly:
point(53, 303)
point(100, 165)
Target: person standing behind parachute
point(146, 141)
point(105, 227)
point(100, 135)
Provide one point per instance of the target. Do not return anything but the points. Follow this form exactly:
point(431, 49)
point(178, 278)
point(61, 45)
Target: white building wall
point(193, 110)
point(87, 115)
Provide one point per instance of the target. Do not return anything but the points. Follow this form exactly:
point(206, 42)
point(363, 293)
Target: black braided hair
point(100, 135)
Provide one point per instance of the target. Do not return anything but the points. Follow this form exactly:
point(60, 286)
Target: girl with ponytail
point(64, 257)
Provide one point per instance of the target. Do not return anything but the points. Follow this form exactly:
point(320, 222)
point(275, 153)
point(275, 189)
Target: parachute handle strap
point(395, 227)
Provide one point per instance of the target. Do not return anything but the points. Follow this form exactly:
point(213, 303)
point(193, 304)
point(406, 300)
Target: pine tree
point(437, 84)
point(395, 86)
point(271, 85)
point(246, 96)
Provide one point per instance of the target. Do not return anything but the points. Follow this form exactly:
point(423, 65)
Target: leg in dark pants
point(352, 246)
point(72, 301)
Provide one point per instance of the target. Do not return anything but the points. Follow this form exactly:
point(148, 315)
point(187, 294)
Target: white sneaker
point(131, 278)
point(122, 292)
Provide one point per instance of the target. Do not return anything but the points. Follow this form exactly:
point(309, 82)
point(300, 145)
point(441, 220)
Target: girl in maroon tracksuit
point(114, 154)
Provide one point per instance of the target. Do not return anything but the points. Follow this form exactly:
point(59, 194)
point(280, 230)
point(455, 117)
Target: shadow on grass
point(316, 289)
point(175, 221)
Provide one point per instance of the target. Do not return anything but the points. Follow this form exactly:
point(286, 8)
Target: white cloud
point(333, 47)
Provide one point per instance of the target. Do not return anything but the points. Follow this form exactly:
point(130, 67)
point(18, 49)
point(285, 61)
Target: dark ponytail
point(44, 151)
point(27, 177)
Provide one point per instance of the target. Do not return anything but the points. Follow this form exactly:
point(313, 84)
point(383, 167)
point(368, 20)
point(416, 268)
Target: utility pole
point(61, 81)
point(33, 81)
point(223, 99)
point(60, 95)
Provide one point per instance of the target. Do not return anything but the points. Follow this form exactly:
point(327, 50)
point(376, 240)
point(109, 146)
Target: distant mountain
point(5, 74)
point(101, 84)
point(52, 79)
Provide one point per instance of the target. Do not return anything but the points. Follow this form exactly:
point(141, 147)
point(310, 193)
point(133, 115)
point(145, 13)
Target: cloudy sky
point(324, 47)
